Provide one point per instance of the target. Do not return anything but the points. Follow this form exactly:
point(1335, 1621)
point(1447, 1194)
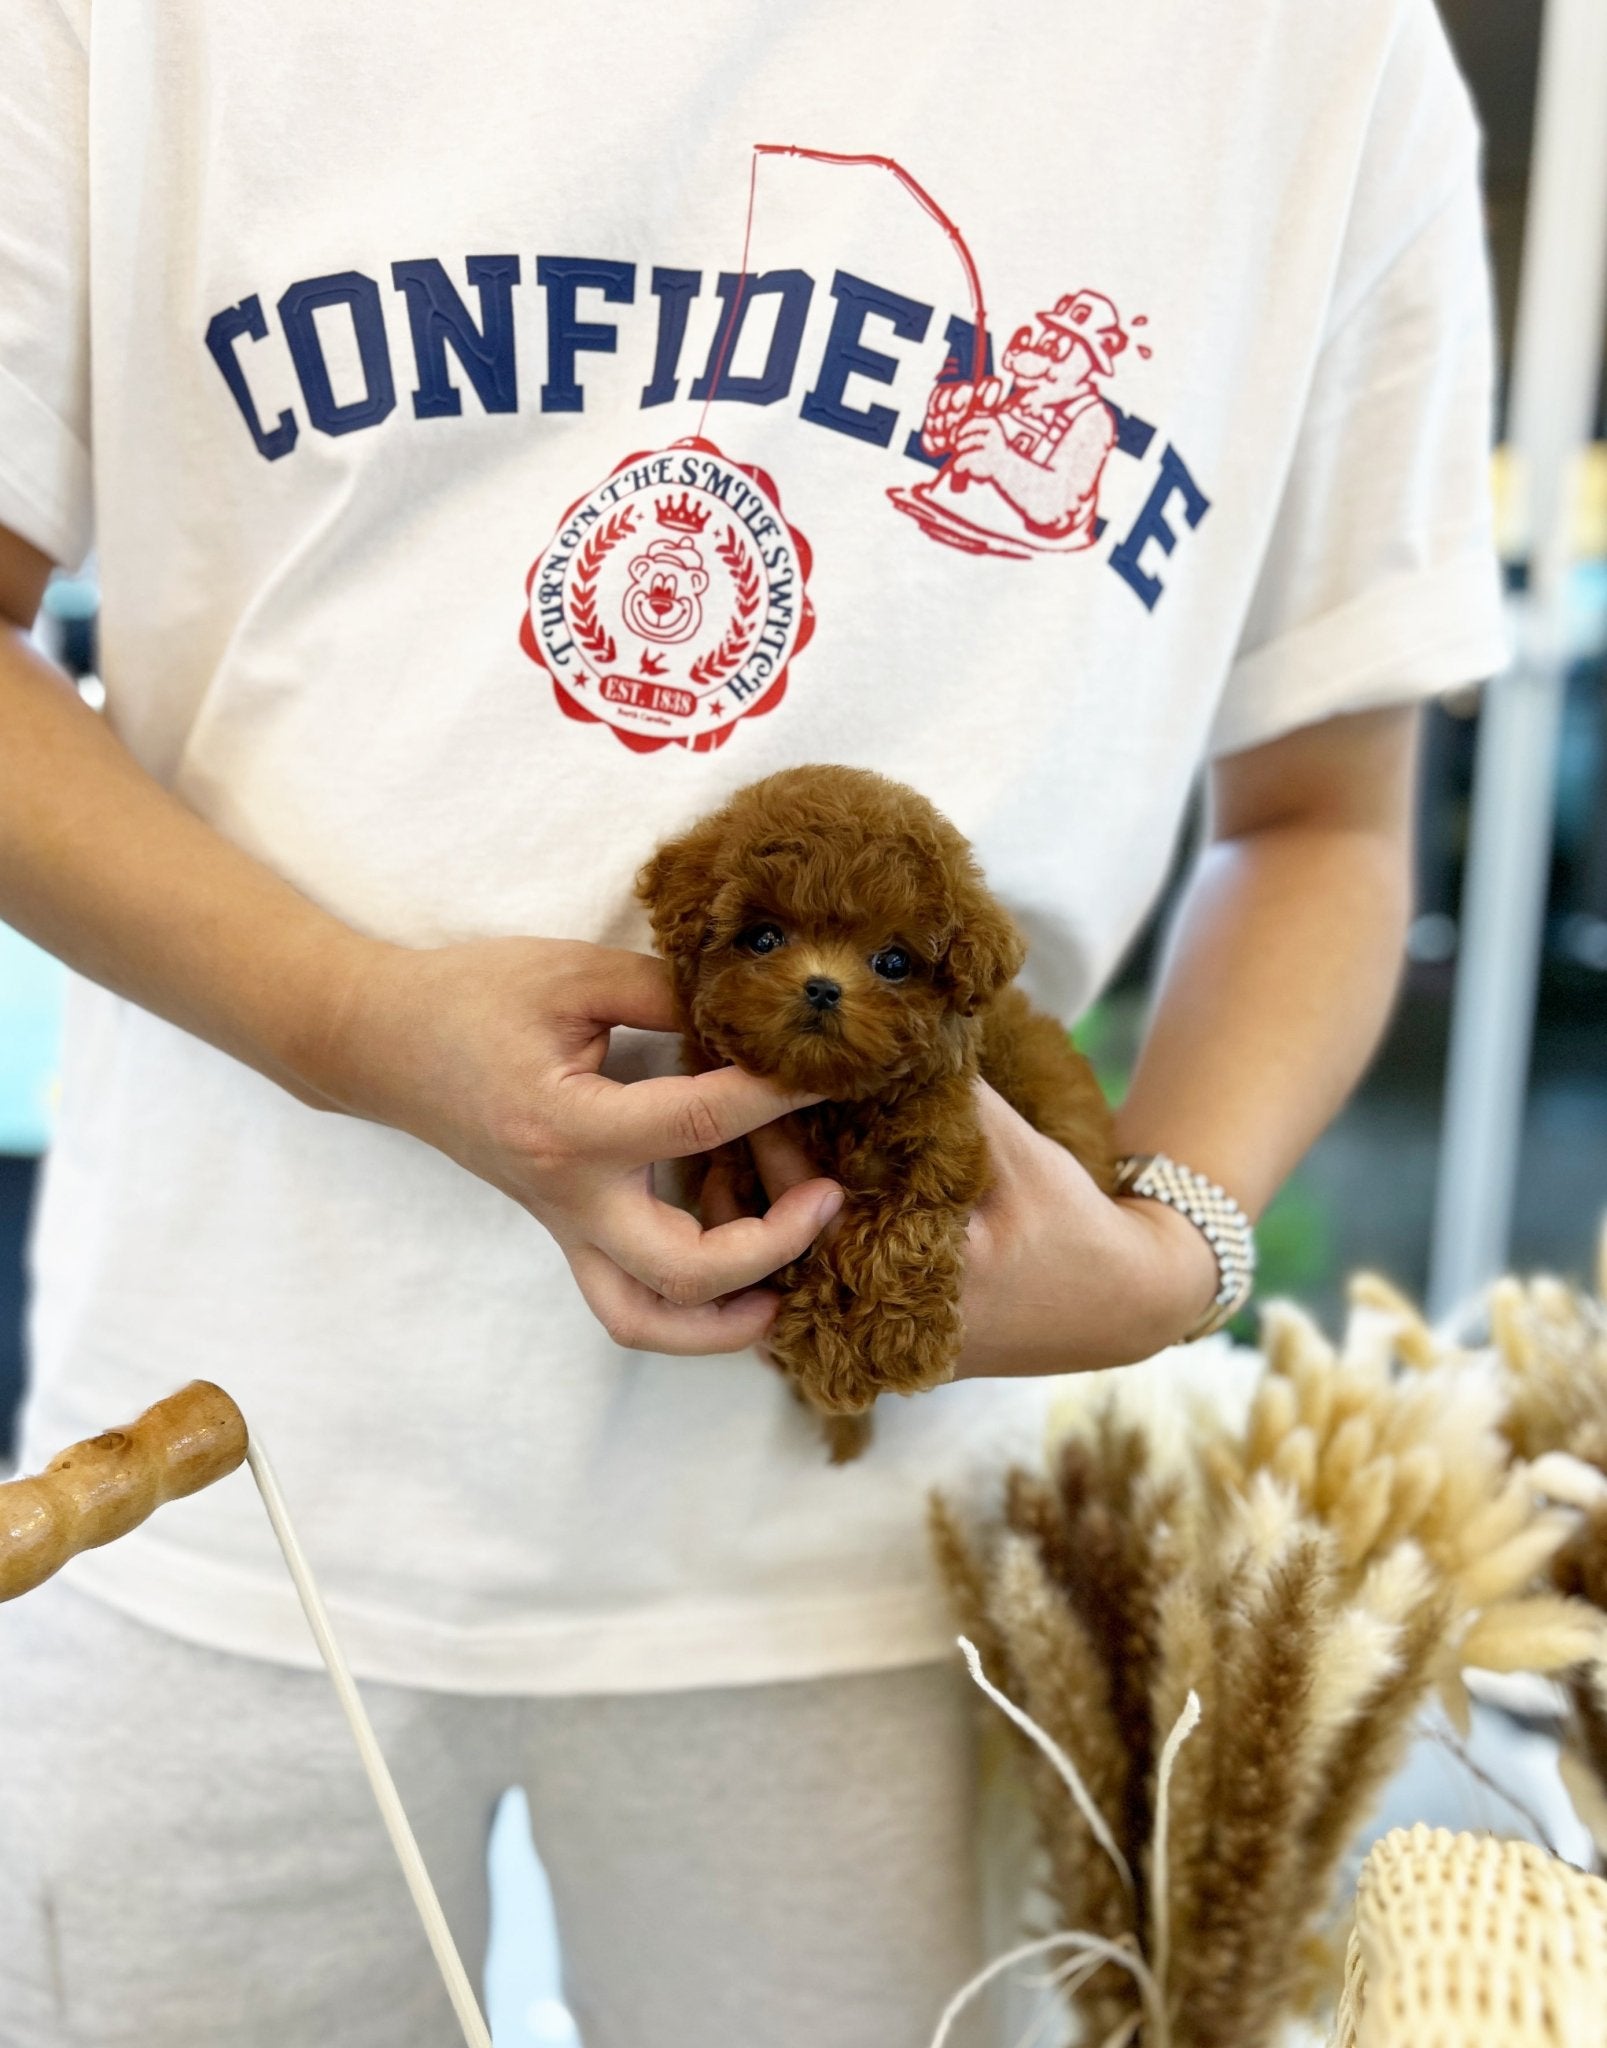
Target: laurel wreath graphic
point(713, 668)
point(583, 607)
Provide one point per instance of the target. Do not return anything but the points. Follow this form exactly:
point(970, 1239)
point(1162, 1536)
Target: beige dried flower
point(1551, 1341)
point(1311, 1576)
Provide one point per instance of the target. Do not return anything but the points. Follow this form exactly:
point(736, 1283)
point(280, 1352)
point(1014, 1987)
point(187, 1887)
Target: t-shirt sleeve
point(1380, 583)
point(45, 492)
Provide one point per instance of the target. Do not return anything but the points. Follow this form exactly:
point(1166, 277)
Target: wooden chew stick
point(99, 1490)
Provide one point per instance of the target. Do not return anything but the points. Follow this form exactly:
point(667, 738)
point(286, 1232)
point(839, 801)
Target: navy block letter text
point(847, 355)
point(561, 277)
point(675, 290)
point(360, 296)
point(795, 288)
point(438, 316)
point(223, 331)
point(1152, 525)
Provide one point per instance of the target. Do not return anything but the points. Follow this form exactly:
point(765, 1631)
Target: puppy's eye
point(892, 963)
point(761, 938)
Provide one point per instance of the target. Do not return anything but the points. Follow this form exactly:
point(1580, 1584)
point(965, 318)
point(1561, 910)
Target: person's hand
point(947, 409)
point(1058, 1277)
point(981, 445)
point(1061, 1278)
point(491, 1051)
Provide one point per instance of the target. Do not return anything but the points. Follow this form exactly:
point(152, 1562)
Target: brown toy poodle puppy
point(830, 929)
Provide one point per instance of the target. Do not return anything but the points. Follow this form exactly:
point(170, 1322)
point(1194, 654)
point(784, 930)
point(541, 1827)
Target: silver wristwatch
point(1212, 1211)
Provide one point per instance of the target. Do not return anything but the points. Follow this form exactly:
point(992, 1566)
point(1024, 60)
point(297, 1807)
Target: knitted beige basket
point(1463, 1941)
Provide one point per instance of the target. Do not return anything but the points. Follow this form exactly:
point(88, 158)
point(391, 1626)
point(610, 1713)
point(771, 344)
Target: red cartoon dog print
point(1025, 451)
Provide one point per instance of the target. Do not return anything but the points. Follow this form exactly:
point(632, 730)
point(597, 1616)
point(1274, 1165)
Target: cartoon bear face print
point(665, 598)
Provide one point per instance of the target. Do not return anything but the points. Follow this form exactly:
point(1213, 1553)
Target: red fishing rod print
point(673, 598)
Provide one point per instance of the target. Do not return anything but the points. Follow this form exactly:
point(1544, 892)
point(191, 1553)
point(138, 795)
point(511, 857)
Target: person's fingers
point(783, 1165)
point(782, 1161)
point(611, 985)
point(674, 1116)
point(1016, 1149)
point(718, 1202)
point(639, 1320)
point(1000, 1120)
point(684, 1264)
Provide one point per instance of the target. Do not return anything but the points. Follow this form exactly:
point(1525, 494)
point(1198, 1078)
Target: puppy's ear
point(986, 952)
point(678, 886)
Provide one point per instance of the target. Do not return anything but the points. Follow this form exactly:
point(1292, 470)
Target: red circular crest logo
point(671, 599)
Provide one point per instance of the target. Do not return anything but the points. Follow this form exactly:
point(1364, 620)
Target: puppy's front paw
point(846, 1436)
point(876, 1310)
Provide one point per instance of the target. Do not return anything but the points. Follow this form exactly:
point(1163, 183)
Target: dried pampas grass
point(1312, 1577)
point(1399, 1437)
point(1551, 1342)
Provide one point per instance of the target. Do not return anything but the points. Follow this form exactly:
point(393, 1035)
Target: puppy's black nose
point(822, 994)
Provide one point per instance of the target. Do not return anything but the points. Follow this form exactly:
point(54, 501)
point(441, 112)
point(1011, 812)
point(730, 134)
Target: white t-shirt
point(373, 352)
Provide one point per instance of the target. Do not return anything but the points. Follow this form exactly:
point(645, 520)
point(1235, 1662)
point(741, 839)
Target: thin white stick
point(1042, 2020)
point(1070, 1776)
point(1083, 1944)
point(1067, 1980)
point(448, 1961)
point(1087, 1948)
point(1160, 1916)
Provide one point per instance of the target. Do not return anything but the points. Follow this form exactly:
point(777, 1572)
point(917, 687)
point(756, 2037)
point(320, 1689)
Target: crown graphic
point(681, 515)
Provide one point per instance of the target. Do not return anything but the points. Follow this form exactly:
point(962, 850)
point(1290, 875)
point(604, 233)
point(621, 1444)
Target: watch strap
point(1214, 1213)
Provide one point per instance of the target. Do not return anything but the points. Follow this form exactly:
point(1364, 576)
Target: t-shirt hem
point(684, 1647)
point(1413, 637)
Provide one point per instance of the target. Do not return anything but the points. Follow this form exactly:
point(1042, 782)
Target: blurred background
point(1367, 1194)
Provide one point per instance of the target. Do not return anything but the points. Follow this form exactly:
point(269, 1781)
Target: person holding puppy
point(374, 379)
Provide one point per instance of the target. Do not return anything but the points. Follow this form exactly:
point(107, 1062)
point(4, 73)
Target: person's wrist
point(333, 1037)
point(1183, 1276)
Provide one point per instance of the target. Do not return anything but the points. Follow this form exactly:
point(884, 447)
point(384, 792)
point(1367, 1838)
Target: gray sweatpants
point(189, 1853)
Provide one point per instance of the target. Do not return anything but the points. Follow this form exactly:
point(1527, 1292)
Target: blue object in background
point(523, 1996)
point(32, 987)
point(32, 990)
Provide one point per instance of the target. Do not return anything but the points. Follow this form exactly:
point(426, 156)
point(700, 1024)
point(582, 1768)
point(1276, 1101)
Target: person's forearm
point(1279, 982)
point(103, 867)
point(489, 1051)
point(1282, 963)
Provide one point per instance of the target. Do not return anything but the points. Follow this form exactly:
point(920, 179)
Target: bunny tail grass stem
point(1450, 1741)
point(1048, 1944)
point(458, 1989)
point(1070, 1977)
point(1063, 1764)
point(1085, 1947)
point(1159, 1905)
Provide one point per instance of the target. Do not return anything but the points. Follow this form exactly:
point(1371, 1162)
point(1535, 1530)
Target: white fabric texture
point(332, 326)
point(191, 1855)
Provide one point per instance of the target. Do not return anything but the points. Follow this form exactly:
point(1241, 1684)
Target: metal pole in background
point(1562, 302)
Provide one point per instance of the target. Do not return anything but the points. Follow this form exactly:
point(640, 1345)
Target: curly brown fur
point(838, 876)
